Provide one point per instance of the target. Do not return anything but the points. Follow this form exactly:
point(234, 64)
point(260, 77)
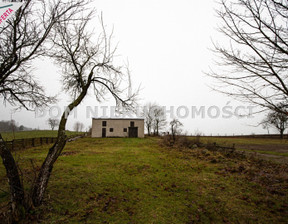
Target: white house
point(118, 127)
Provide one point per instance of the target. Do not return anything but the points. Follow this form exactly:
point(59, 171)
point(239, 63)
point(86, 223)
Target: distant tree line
point(10, 126)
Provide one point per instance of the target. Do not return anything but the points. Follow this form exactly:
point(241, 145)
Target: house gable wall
point(118, 126)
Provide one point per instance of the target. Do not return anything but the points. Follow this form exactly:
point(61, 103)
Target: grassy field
point(243, 140)
point(138, 181)
point(8, 136)
point(275, 149)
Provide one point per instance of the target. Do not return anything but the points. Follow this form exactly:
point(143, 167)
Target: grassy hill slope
point(137, 181)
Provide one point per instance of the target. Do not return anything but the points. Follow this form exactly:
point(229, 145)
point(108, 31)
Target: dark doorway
point(133, 132)
point(103, 132)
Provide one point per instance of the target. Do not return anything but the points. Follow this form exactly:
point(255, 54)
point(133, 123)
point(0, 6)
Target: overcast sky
point(167, 44)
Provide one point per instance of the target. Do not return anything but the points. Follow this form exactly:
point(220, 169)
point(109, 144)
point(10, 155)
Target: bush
point(184, 142)
point(181, 142)
point(167, 140)
point(211, 146)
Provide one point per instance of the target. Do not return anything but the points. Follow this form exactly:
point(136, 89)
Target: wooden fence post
point(33, 142)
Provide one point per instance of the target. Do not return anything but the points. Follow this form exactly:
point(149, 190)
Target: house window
point(104, 123)
point(111, 129)
point(124, 129)
point(132, 124)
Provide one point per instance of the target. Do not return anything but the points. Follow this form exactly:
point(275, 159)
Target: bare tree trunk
point(41, 182)
point(281, 133)
point(157, 128)
point(18, 205)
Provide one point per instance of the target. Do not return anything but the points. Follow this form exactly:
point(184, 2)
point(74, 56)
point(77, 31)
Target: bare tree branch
point(22, 40)
point(253, 68)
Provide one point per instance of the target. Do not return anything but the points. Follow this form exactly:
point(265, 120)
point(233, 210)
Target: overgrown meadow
point(126, 180)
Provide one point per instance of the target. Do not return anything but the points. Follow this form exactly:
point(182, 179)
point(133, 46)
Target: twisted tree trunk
point(41, 183)
point(18, 205)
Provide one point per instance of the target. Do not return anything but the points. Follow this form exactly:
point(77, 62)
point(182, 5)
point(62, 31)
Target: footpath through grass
point(137, 181)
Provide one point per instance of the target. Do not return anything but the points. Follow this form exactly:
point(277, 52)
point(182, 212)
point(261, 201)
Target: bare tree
point(155, 118)
point(78, 126)
point(175, 128)
point(86, 65)
point(159, 121)
point(277, 120)
point(147, 113)
point(22, 39)
point(53, 123)
point(253, 67)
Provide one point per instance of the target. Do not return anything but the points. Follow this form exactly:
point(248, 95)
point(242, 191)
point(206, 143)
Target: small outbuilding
point(117, 127)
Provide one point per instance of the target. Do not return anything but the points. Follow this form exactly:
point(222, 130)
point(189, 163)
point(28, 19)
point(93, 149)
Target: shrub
point(211, 146)
point(184, 142)
point(167, 140)
point(179, 142)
